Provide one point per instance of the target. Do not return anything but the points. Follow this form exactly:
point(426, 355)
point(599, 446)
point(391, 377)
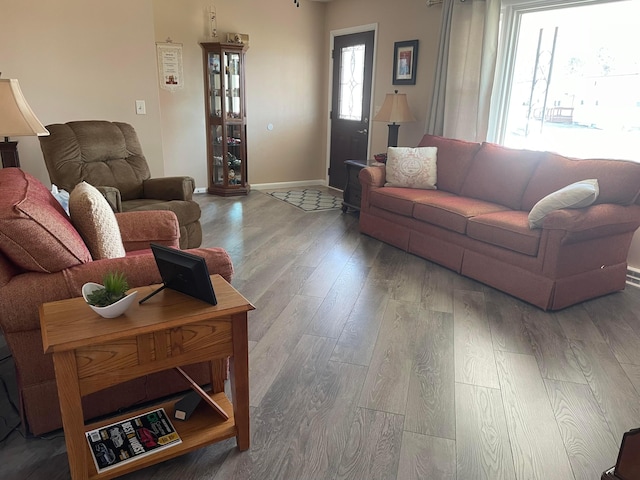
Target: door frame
point(332, 35)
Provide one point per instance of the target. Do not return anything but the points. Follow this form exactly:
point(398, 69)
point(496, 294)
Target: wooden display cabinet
point(224, 70)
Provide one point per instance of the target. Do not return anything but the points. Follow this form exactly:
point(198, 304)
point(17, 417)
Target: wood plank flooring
point(370, 363)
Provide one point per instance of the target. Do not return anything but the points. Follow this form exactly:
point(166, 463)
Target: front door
point(350, 103)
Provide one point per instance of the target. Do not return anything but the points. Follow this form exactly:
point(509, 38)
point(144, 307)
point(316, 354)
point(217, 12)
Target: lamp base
point(9, 154)
point(393, 135)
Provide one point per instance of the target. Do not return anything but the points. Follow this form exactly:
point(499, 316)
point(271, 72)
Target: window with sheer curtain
point(559, 75)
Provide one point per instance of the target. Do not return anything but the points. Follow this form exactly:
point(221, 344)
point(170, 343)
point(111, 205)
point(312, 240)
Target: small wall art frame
point(405, 61)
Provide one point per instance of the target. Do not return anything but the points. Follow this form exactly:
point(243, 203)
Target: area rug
point(309, 199)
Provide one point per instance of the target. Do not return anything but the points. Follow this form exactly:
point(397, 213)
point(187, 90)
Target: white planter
point(110, 311)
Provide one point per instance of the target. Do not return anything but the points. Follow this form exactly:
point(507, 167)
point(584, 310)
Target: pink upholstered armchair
point(43, 258)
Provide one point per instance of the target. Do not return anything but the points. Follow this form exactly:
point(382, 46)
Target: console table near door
point(352, 193)
point(169, 330)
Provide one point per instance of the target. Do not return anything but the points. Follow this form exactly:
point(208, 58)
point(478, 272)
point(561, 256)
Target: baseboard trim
point(633, 277)
point(303, 183)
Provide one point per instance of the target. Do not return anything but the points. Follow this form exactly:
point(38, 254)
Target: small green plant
point(115, 288)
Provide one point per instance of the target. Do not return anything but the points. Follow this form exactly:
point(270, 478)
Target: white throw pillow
point(577, 195)
point(95, 221)
point(412, 167)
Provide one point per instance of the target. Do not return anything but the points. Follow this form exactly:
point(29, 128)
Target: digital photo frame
point(184, 272)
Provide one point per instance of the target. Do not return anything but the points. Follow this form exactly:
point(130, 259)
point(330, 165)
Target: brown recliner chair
point(108, 156)
point(43, 259)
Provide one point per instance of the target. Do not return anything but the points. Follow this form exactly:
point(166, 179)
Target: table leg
point(72, 414)
point(218, 369)
point(240, 380)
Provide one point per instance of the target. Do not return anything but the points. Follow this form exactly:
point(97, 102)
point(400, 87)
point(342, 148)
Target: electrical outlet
point(141, 108)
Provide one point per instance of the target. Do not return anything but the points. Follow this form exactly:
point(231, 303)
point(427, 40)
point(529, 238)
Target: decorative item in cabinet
point(225, 103)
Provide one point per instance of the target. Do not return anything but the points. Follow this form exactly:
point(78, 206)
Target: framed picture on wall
point(405, 60)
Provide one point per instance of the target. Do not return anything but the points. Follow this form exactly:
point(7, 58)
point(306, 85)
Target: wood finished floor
point(370, 363)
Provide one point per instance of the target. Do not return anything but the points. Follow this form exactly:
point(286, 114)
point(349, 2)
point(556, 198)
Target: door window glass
point(351, 82)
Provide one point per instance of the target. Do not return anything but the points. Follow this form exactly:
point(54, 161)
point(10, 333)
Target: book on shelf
point(130, 439)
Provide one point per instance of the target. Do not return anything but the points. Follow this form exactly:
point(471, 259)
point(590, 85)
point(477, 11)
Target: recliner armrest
point(139, 229)
point(112, 194)
point(169, 188)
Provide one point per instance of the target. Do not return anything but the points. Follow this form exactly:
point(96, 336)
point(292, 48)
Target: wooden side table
point(170, 330)
point(352, 193)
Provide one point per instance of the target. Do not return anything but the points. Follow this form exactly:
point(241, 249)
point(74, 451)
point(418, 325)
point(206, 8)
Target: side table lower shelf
point(204, 427)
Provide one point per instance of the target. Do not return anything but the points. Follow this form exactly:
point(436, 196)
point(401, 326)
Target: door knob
point(362, 131)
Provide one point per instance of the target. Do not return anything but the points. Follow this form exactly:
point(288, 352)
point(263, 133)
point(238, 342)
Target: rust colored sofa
point(476, 222)
point(43, 258)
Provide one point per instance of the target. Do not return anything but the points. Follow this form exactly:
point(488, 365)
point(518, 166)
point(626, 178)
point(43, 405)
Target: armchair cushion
point(35, 232)
point(94, 219)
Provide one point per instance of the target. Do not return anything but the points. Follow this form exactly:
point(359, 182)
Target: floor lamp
point(395, 109)
point(16, 120)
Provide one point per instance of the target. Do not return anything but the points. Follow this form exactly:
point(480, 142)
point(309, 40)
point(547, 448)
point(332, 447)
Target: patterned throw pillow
point(412, 167)
point(93, 218)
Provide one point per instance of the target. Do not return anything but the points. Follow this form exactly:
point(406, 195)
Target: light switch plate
point(141, 108)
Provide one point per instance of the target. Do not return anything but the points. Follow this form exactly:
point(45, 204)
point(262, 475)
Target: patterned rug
point(309, 199)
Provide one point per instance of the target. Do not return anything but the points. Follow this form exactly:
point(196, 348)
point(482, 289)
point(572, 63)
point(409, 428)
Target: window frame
point(510, 21)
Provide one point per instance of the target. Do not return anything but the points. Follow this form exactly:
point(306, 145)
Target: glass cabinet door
point(218, 156)
point(235, 154)
point(232, 82)
point(215, 93)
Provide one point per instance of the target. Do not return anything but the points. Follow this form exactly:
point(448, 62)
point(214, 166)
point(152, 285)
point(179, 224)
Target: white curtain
point(465, 70)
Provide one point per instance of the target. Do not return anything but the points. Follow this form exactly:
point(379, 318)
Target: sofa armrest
point(169, 188)
point(593, 222)
point(112, 194)
point(19, 313)
point(139, 229)
point(373, 176)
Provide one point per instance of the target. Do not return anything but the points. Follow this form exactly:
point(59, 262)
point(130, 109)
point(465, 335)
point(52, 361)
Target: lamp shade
point(16, 117)
point(395, 109)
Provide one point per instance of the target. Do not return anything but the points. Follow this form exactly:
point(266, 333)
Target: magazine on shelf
point(127, 440)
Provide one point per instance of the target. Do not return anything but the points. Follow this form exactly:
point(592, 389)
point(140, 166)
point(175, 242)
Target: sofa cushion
point(35, 232)
point(96, 222)
point(500, 174)
point(452, 212)
point(412, 167)
point(401, 200)
point(454, 160)
point(577, 195)
point(508, 229)
point(618, 180)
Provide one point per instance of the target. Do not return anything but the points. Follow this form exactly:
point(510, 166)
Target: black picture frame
point(405, 61)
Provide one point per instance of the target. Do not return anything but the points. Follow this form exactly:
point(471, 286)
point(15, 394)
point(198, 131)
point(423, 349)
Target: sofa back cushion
point(618, 180)
point(500, 174)
point(98, 152)
point(454, 160)
point(35, 232)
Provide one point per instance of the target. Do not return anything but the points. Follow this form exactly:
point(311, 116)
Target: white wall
point(83, 60)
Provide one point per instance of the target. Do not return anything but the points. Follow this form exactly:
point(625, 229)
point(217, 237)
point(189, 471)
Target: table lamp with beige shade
point(16, 120)
point(394, 110)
